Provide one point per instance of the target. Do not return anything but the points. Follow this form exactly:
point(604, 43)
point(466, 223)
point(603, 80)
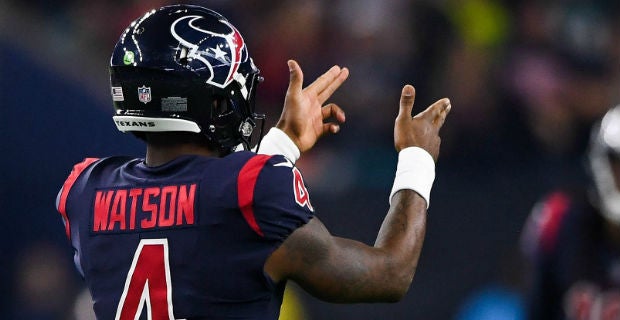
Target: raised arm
point(305, 118)
point(343, 270)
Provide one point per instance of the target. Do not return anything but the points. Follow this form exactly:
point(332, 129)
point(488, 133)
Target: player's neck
point(160, 155)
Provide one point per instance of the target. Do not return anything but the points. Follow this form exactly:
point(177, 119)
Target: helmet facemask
point(233, 117)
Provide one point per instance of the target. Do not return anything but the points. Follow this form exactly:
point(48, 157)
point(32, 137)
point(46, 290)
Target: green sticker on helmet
point(128, 58)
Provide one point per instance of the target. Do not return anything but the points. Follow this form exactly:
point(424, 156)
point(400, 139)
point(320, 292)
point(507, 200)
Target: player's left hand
point(304, 118)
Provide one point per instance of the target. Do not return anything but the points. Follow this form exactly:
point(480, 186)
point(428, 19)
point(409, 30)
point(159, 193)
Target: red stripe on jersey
point(66, 187)
point(245, 189)
point(554, 210)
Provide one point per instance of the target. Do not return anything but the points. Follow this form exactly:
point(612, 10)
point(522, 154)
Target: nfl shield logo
point(144, 94)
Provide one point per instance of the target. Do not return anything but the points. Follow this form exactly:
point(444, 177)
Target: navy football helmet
point(604, 160)
point(185, 68)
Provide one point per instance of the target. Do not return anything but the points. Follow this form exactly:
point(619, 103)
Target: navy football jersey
point(187, 239)
point(576, 265)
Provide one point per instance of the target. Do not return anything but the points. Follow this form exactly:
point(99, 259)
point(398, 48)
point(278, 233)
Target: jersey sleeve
point(63, 194)
point(543, 225)
point(539, 242)
point(273, 197)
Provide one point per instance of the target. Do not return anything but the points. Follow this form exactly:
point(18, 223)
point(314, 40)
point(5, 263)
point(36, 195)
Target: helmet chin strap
point(246, 142)
point(260, 117)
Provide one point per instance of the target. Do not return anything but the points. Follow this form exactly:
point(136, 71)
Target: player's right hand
point(421, 130)
point(304, 117)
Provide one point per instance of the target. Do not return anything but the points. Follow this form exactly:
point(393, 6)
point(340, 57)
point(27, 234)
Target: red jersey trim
point(66, 187)
point(246, 182)
point(552, 215)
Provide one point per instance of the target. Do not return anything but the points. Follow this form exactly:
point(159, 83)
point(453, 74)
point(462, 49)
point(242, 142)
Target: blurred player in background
point(573, 239)
point(201, 230)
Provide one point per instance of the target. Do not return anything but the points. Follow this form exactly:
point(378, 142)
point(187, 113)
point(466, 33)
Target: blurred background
point(526, 79)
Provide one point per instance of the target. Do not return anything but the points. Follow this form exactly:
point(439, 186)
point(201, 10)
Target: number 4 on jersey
point(301, 193)
point(148, 283)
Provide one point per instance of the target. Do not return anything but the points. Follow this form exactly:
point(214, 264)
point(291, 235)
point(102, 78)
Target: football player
point(573, 238)
point(200, 229)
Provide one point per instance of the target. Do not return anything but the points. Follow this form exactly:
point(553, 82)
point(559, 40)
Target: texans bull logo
point(208, 49)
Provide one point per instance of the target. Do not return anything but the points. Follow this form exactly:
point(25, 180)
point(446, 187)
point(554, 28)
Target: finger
point(331, 127)
point(444, 113)
point(407, 97)
point(434, 109)
point(333, 85)
point(296, 77)
point(324, 80)
point(333, 111)
point(437, 112)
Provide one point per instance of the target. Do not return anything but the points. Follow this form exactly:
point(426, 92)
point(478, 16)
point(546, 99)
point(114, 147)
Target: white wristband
point(415, 171)
point(277, 142)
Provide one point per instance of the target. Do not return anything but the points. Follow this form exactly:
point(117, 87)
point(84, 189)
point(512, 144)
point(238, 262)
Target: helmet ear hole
point(220, 107)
